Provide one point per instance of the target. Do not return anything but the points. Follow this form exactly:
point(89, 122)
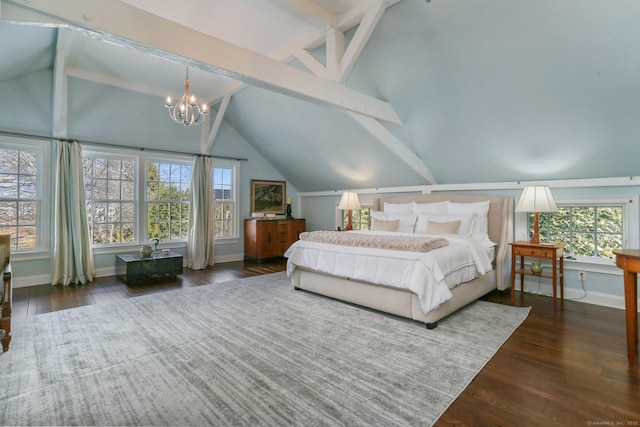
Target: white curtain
point(72, 252)
point(201, 215)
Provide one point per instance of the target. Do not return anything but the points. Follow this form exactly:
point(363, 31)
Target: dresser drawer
point(535, 252)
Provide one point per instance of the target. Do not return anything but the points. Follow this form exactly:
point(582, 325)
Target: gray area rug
point(245, 352)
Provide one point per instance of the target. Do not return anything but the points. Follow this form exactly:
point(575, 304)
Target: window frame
point(234, 165)
point(44, 197)
point(120, 155)
point(630, 225)
point(144, 205)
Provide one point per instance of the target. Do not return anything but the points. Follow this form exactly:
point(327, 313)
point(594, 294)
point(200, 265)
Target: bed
point(335, 270)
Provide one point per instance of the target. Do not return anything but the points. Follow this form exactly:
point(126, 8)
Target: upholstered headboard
point(500, 223)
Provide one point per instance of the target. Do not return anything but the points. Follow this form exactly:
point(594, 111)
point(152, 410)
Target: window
point(20, 195)
point(168, 192)
point(224, 191)
point(360, 219)
point(587, 231)
point(110, 196)
point(590, 229)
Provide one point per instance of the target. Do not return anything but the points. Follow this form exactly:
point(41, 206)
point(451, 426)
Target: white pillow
point(466, 221)
point(477, 208)
point(406, 224)
point(430, 208)
point(403, 208)
point(480, 211)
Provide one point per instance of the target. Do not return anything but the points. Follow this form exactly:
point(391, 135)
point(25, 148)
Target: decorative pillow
point(406, 223)
point(402, 208)
point(381, 225)
point(443, 227)
point(430, 208)
point(480, 211)
point(466, 221)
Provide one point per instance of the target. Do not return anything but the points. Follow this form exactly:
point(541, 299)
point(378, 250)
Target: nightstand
point(552, 251)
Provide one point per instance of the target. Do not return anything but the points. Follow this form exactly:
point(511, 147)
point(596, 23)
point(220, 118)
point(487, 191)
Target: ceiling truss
point(120, 23)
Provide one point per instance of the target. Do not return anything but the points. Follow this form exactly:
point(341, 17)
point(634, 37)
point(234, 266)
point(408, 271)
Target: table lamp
point(536, 198)
point(349, 202)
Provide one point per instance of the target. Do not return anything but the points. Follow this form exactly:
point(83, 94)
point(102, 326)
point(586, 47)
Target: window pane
point(607, 243)
point(26, 237)
point(127, 190)
point(583, 219)
point(127, 213)
point(8, 213)
point(610, 220)
point(28, 163)
point(9, 161)
point(100, 189)
point(8, 186)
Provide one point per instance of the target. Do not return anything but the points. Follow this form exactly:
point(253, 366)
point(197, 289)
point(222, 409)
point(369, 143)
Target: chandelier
point(186, 111)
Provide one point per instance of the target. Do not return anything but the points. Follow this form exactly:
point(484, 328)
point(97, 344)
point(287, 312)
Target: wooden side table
point(629, 261)
point(552, 251)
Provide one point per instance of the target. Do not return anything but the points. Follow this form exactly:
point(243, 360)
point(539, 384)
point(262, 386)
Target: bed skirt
point(400, 302)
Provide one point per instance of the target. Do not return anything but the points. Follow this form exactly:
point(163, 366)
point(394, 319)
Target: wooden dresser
point(270, 238)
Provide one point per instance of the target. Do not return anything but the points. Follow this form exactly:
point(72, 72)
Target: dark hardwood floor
point(562, 367)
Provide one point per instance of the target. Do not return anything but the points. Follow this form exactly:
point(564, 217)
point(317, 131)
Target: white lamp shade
point(349, 201)
point(536, 198)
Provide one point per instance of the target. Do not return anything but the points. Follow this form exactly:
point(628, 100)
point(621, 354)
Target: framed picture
point(268, 197)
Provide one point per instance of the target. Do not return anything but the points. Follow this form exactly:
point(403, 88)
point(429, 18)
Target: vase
point(536, 267)
point(146, 251)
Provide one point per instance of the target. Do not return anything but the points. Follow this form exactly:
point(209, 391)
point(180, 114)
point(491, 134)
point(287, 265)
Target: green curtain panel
point(73, 254)
point(201, 215)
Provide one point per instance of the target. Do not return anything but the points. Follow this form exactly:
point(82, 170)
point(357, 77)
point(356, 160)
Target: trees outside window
point(20, 196)
point(168, 192)
point(586, 231)
point(110, 196)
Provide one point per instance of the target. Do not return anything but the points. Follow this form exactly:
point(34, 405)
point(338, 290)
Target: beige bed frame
point(405, 303)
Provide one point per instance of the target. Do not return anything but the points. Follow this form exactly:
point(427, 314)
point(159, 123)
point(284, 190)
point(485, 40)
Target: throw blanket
point(397, 243)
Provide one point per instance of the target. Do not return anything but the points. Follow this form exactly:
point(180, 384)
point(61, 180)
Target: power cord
point(583, 288)
point(546, 294)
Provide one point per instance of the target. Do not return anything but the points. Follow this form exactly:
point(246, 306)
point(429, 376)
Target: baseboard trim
point(571, 294)
point(45, 279)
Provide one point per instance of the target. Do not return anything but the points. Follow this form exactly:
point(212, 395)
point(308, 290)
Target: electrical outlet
point(581, 275)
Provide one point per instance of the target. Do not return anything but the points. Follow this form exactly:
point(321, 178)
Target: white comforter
point(430, 275)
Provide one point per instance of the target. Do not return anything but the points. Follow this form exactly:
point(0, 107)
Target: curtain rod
point(106, 144)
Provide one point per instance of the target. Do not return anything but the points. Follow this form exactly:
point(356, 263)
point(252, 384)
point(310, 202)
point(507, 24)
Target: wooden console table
point(135, 269)
point(629, 261)
point(552, 251)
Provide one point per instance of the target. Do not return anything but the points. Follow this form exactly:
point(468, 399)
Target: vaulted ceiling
point(340, 94)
